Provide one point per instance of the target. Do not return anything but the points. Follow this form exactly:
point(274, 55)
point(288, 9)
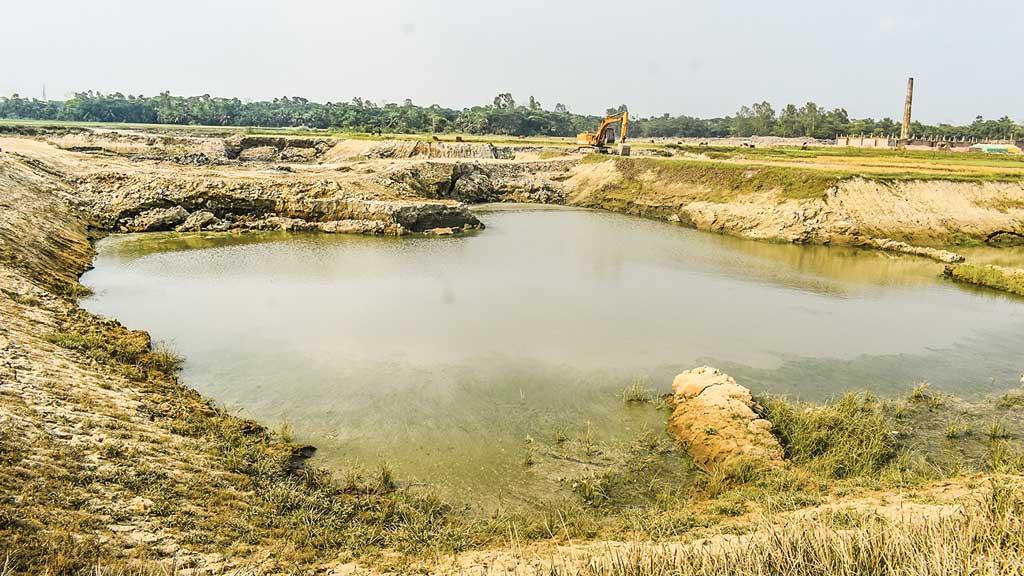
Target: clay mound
point(348, 150)
point(274, 148)
point(418, 149)
point(714, 418)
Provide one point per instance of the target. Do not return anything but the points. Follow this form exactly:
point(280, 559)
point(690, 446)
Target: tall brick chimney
point(905, 133)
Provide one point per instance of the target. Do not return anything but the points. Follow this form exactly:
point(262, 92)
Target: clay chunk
point(714, 419)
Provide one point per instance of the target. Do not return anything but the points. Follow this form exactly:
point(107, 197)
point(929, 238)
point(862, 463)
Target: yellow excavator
point(606, 133)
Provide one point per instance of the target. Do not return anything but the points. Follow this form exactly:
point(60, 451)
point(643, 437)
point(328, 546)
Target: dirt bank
point(801, 206)
point(119, 193)
point(142, 183)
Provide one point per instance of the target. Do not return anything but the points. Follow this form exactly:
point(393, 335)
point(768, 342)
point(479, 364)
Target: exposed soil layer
point(905, 216)
point(125, 193)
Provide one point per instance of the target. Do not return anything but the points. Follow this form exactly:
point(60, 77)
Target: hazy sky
point(701, 58)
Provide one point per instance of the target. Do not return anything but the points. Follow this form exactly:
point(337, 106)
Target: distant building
point(914, 143)
point(866, 141)
point(996, 148)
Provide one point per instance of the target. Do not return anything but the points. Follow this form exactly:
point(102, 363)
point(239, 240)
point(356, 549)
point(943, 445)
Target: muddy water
point(442, 356)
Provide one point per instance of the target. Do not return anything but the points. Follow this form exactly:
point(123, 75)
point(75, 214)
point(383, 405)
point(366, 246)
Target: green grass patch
point(880, 165)
point(812, 152)
point(128, 351)
point(722, 181)
point(851, 437)
point(997, 277)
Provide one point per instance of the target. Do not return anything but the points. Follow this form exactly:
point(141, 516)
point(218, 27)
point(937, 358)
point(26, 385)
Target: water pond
point(445, 356)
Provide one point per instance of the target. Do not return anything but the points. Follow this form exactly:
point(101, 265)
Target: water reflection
point(442, 354)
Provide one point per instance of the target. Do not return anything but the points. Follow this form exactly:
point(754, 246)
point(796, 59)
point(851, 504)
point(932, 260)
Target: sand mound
point(714, 419)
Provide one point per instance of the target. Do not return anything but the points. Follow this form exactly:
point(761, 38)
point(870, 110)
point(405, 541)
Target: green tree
point(810, 116)
point(501, 117)
point(504, 101)
point(618, 110)
point(763, 118)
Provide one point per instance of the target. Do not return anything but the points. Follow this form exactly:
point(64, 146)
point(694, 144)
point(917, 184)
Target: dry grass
point(983, 537)
point(1012, 399)
point(922, 393)
point(303, 515)
point(957, 428)
point(246, 493)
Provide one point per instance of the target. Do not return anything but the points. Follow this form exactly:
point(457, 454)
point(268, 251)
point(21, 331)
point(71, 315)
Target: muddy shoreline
point(145, 467)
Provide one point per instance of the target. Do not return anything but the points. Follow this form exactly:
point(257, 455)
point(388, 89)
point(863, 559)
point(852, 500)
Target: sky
point(700, 58)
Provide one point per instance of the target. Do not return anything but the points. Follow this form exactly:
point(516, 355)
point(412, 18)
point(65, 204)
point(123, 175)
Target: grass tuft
point(922, 394)
point(637, 392)
point(1012, 399)
point(24, 300)
point(998, 430)
point(851, 437)
point(957, 428)
point(73, 290)
point(286, 431)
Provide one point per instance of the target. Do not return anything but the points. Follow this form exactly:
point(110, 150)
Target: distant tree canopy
point(503, 116)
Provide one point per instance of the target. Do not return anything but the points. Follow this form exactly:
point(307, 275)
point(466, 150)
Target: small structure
point(866, 141)
point(995, 148)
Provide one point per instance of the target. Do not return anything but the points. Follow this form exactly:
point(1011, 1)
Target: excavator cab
point(613, 129)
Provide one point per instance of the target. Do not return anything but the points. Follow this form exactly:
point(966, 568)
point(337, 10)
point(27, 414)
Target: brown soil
point(714, 418)
point(854, 211)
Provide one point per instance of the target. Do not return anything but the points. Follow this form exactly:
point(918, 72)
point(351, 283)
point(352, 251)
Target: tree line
point(503, 116)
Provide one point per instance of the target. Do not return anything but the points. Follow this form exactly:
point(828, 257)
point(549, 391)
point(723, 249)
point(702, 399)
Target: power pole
point(905, 133)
